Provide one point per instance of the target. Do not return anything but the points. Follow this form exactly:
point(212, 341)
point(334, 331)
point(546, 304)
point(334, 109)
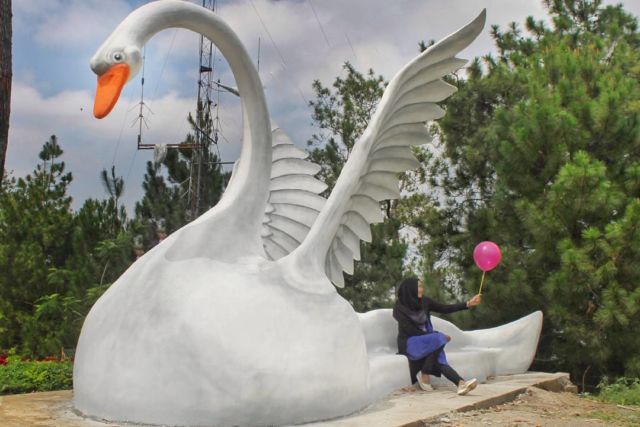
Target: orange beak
point(110, 85)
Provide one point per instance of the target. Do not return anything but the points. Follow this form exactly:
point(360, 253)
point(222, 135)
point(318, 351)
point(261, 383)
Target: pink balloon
point(487, 255)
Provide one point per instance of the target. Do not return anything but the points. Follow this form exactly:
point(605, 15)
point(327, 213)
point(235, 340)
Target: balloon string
point(481, 282)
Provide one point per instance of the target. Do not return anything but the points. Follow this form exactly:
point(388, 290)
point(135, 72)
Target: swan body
point(234, 318)
point(160, 347)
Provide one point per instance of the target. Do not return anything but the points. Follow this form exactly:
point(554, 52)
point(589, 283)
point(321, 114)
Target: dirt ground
point(535, 407)
point(538, 407)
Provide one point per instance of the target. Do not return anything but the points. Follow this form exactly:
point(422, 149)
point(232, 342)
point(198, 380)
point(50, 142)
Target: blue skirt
point(420, 346)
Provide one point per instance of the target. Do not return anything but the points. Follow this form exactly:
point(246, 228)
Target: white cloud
point(29, 9)
point(384, 36)
point(74, 23)
point(90, 144)
point(368, 33)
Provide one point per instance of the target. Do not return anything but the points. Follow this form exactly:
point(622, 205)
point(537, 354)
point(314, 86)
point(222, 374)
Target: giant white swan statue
point(233, 319)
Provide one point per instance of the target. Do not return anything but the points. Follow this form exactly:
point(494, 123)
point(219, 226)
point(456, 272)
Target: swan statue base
point(234, 320)
point(180, 349)
point(205, 354)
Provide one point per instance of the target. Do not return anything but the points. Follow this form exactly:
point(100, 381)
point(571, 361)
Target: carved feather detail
point(294, 201)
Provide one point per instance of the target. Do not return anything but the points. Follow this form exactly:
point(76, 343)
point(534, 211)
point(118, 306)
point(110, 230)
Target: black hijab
point(407, 301)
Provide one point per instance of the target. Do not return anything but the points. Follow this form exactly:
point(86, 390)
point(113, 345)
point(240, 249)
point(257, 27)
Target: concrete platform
point(410, 409)
point(398, 409)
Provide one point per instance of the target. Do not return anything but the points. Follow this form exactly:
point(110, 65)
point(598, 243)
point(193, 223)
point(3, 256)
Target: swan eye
point(117, 56)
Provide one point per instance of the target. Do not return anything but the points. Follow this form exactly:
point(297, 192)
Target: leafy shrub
point(625, 391)
point(18, 376)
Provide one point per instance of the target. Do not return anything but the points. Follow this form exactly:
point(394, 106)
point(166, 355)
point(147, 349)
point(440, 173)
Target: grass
point(625, 391)
point(619, 418)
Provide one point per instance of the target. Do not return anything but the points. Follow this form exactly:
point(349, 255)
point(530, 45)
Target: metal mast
point(202, 120)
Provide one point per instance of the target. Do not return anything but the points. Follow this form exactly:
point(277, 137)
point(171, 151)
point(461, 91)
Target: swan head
point(115, 63)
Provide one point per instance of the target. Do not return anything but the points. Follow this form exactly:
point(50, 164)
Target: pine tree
point(35, 242)
point(539, 152)
point(114, 186)
point(342, 115)
point(105, 236)
point(55, 263)
point(163, 208)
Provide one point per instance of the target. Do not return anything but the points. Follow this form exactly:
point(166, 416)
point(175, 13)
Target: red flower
point(3, 359)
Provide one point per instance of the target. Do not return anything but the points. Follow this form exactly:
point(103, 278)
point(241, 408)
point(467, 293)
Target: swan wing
point(294, 201)
point(370, 175)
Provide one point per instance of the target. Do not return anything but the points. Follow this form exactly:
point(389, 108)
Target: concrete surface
point(409, 409)
point(398, 409)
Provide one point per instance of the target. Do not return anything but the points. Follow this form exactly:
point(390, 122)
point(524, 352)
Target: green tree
point(114, 186)
point(55, 262)
point(539, 152)
point(163, 207)
point(36, 238)
point(105, 235)
point(342, 114)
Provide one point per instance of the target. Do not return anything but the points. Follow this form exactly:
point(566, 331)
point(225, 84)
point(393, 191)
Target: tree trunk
point(5, 79)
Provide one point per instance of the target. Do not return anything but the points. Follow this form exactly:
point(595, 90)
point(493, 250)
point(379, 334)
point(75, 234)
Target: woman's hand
point(474, 301)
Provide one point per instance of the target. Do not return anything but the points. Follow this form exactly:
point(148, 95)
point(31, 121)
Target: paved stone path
point(54, 409)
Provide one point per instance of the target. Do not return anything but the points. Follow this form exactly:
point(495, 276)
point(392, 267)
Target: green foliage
point(114, 186)
point(26, 377)
point(539, 153)
point(624, 391)
point(620, 417)
point(54, 262)
point(342, 114)
point(372, 284)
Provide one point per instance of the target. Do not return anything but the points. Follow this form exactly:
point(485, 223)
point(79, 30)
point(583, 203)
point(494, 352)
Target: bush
point(625, 391)
point(18, 376)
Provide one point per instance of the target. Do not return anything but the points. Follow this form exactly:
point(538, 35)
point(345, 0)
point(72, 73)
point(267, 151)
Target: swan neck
point(246, 196)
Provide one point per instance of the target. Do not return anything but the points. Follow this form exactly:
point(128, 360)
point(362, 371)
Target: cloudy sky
point(298, 41)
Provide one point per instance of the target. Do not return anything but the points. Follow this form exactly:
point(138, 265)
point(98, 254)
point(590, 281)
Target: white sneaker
point(467, 386)
point(424, 386)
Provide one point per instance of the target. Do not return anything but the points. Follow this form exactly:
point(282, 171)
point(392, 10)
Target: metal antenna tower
point(141, 119)
point(203, 137)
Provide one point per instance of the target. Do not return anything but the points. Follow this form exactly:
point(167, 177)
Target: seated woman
point(417, 340)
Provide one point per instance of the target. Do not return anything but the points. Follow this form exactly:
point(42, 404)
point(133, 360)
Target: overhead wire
point(275, 45)
point(218, 119)
point(351, 46)
point(268, 32)
point(313, 9)
point(164, 64)
point(124, 119)
point(133, 159)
